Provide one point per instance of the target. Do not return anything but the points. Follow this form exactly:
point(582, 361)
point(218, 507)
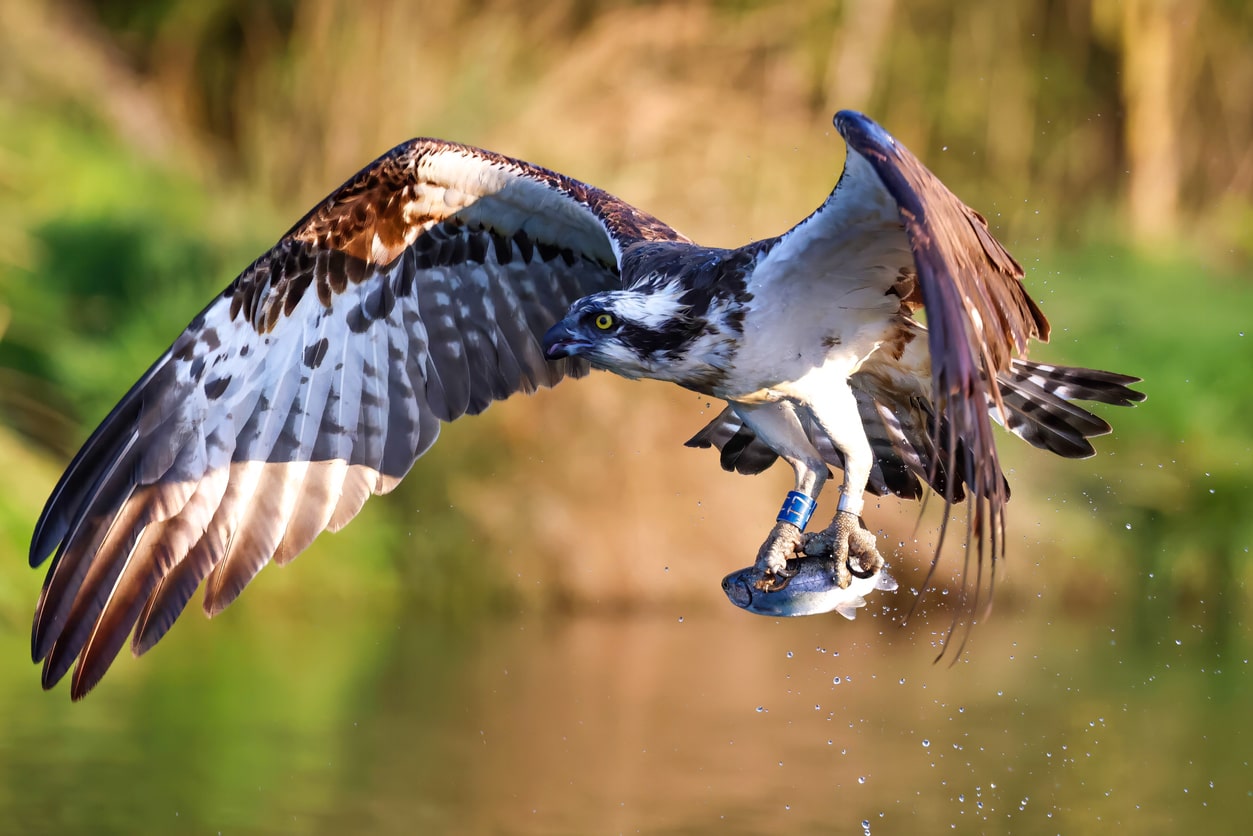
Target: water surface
point(338, 718)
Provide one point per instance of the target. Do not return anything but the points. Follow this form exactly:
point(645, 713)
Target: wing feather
point(978, 316)
point(319, 494)
point(86, 532)
point(448, 366)
point(415, 293)
point(892, 235)
point(178, 537)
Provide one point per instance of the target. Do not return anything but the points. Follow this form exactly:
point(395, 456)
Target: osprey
point(441, 278)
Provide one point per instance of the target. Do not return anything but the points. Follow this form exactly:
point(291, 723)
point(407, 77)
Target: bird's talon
point(851, 547)
point(773, 555)
point(858, 572)
point(774, 581)
point(843, 577)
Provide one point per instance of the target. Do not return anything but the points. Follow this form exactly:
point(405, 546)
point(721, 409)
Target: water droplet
point(836, 681)
point(680, 619)
point(861, 779)
point(789, 654)
point(926, 744)
point(760, 709)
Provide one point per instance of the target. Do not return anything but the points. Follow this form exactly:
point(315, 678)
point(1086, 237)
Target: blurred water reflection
point(712, 720)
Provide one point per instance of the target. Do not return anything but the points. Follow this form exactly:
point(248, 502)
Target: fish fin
point(885, 582)
point(848, 608)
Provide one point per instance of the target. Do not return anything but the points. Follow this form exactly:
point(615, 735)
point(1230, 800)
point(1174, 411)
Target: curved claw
point(773, 555)
point(865, 551)
point(859, 573)
point(774, 581)
point(851, 546)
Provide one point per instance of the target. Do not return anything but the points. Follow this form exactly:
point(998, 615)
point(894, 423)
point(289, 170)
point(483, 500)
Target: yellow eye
point(604, 321)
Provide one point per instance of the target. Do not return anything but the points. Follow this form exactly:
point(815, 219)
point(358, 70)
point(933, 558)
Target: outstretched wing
point(978, 316)
point(898, 238)
point(414, 294)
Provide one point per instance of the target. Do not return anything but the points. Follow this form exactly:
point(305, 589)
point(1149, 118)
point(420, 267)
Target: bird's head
point(633, 333)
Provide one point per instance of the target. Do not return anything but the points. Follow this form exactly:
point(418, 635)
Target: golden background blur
point(150, 150)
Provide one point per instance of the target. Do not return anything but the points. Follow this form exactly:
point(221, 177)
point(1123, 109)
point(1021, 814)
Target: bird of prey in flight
point(442, 277)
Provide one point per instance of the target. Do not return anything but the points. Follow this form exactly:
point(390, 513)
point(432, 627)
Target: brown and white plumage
point(414, 294)
point(441, 278)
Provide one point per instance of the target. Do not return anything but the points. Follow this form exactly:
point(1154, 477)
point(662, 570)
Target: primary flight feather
point(442, 277)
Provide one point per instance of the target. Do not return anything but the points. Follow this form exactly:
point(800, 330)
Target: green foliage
point(148, 153)
point(1176, 477)
point(111, 241)
point(101, 230)
point(1182, 325)
point(121, 252)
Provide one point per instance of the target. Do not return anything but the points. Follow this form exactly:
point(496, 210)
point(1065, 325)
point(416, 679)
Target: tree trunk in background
point(1152, 137)
point(858, 52)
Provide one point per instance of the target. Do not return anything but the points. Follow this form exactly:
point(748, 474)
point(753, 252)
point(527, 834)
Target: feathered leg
point(838, 416)
point(777, 425)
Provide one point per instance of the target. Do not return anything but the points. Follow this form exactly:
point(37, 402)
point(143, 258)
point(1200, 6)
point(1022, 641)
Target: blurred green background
point(150, 150)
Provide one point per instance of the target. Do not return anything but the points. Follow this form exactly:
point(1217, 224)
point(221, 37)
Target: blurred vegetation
point(149, 150)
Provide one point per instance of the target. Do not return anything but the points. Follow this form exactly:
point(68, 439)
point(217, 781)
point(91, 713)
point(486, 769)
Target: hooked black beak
point(561, 341)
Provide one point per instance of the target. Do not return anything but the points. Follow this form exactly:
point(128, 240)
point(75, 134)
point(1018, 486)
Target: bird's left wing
point(888, 223)
point(415, 293)
point(978, 314)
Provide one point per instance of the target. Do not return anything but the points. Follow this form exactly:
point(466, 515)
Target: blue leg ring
point(797, 509)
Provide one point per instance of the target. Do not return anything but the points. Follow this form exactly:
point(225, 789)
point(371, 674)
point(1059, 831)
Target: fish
point(812, 590)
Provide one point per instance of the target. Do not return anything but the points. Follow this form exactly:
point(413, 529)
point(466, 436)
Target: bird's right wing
point(415, 293)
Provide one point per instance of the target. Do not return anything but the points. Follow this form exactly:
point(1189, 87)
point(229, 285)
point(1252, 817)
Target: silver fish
point(811, 591)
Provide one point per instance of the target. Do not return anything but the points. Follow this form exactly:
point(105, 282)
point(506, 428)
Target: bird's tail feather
point(1039, 409)
point(902, 432)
